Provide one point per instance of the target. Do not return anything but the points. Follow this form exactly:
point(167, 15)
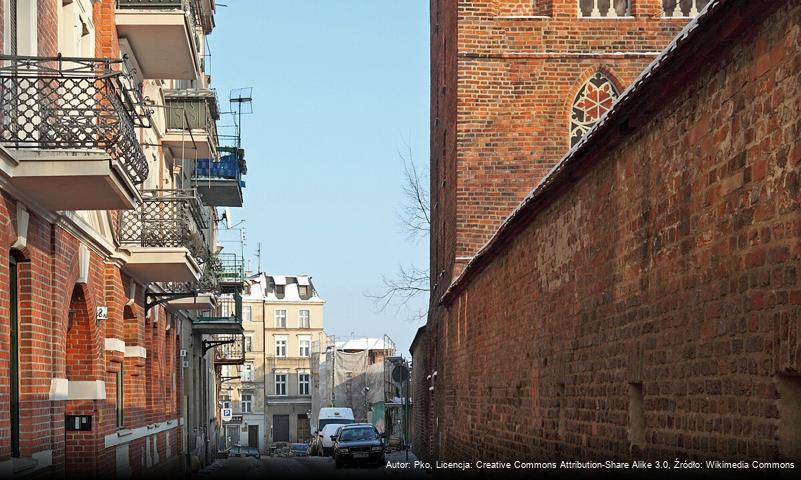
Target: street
point(303, 467)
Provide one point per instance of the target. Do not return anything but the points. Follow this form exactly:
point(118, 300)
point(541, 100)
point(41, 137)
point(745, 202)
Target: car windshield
point(358, 434)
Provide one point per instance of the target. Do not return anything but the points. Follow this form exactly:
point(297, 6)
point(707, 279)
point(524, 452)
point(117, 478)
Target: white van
point(333, 418)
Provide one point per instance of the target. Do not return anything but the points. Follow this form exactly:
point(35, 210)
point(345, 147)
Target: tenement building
point(110, 178)
point(270, 393)
point(615, 204)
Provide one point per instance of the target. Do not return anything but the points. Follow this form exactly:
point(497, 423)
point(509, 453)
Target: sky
point(340, 89)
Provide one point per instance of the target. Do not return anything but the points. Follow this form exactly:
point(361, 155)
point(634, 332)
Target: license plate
point(361, 455)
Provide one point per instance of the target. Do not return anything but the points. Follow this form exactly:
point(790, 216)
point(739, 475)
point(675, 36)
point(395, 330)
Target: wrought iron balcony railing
point(73, 103)
point(166, 218)
point(230, 350)
point(231, 268)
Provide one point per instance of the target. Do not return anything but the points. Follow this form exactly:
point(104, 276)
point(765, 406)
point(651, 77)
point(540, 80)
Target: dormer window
point(279, 291)
point(303, 290)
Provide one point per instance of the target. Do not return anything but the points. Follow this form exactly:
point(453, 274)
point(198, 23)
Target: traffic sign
point(227, 414)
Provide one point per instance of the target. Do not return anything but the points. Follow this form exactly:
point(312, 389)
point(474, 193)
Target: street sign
point(400, 374)
point(101, 313)
point(227, 414)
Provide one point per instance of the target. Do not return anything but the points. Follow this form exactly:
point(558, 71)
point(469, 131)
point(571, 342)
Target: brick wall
point(665, 268)
point(503, 82)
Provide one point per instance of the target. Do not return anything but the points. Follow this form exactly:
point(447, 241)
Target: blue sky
point(339, 87)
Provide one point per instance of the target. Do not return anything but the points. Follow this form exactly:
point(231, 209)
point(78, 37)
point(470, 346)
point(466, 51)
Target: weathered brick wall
point(670, 264)
point(503, 81)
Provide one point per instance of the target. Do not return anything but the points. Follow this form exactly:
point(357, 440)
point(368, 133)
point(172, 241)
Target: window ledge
point(123, 433)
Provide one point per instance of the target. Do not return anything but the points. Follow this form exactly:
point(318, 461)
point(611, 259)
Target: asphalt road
point(303, 467)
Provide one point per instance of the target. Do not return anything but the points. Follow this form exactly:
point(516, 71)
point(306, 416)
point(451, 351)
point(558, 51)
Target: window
point(246, 402)
point(15, 437)
point(593, 99)
point(280, 383)
point(303, 383)
point(247, 313)
point(121, 397)
point(303, 290)
point(304, 341)
point(247, 372)
point(636, 416)
point(604, 8)
point(280, 318)
point(279, 291)
point(304, 319)
point(248, 343)
point(226, 401)
point(280, 346)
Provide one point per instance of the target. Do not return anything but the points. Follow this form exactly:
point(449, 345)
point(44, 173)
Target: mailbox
point(78, 423)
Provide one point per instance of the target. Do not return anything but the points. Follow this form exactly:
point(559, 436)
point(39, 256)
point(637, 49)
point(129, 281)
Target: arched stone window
point(593, 99)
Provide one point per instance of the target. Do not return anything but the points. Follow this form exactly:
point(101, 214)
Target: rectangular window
point(305, 346)
point(280, 346)
point(248, 343)
point(13, 282)
point(280, 318)
point(247, 313)
point(304, 319)
point(247, 372)
point(121, 397)
point(280, 383)
point(303, 383)
point(303, 291)
point(247, 401)
point(226, 401)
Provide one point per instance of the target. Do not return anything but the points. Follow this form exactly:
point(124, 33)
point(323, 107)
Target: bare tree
point(411, 281)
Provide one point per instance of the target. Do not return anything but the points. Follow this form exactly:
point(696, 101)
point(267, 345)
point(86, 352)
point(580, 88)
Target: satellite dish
point(400, 374)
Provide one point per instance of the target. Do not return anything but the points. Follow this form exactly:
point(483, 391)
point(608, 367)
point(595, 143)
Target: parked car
point(299, 450)
point(358, 443)
point(240, 451)
point(326, 446)
point(328, 416)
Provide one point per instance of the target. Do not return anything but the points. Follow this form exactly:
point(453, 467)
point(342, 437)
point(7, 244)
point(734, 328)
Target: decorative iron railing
point(231, 352)
point(231, 268)
point(73, 103)
point(166, 218)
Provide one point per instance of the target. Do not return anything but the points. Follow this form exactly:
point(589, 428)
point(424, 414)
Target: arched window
point(593, 99)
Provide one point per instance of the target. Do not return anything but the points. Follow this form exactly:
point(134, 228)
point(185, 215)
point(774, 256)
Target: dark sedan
point(358, 443)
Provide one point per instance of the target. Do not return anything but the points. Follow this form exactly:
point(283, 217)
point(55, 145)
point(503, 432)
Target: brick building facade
point(105, 371)
point(646, 290)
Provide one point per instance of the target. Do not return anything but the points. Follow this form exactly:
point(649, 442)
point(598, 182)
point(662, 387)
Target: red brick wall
point(502, 90)
point(671, 262)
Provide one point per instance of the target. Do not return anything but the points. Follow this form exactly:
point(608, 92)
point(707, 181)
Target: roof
point(364, 344)
point(702, 40)
point(263, 286)
point(417, 336)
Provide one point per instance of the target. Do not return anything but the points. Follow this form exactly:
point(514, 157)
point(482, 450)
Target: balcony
point(162, 35)
point(225, 318)
point(229, 349)
point(231, 272)
point(191, 117)
point(219, 183)
point(70, 125)
point(164, 237)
